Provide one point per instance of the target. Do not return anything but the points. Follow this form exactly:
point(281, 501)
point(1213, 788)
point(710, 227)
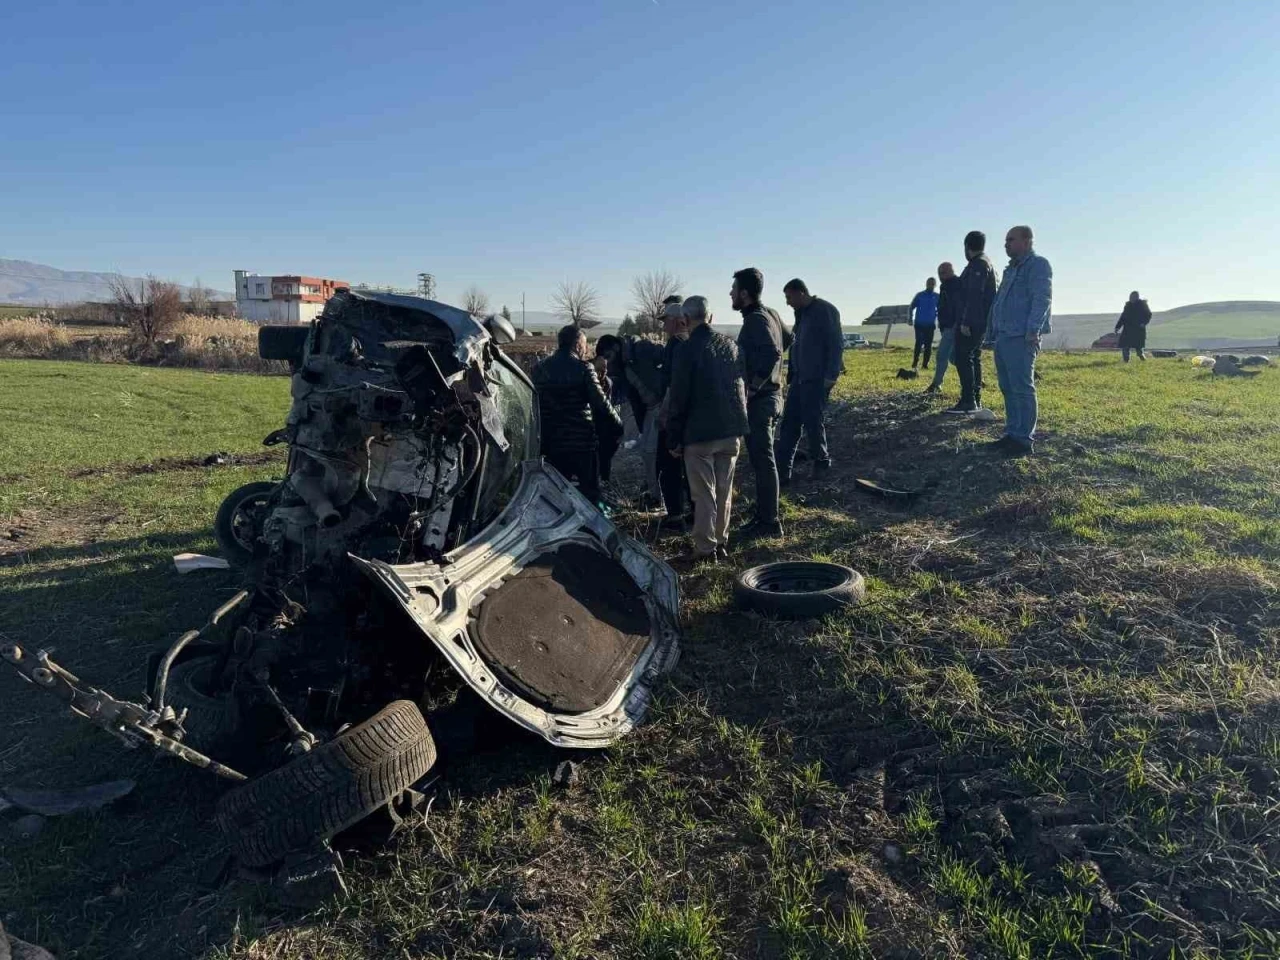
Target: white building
point(282, 299)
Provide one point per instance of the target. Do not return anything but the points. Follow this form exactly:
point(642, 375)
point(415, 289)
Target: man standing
point(817, 360)
point(1132, 326)
point(761, 342)
point(924, 309)
point(977, 292)
point(671, 478)
point(948, 314)
point(637, 363)
point(1021, 315)
point(570, 401)
point(706, 419)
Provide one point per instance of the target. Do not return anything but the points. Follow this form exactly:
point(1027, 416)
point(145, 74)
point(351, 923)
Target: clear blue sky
point(516, 144)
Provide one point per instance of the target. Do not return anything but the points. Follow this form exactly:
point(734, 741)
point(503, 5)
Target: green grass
point(1049, 732)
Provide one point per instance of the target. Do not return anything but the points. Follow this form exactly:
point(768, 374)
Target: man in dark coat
point(570, 401)
point(1132, 327)
point(761, 343)
point(948, 316)
point(817, 360)
point(977, 293)
point(706, 420)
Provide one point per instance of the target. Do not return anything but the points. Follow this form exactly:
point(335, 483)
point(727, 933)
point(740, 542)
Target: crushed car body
point(416, 551)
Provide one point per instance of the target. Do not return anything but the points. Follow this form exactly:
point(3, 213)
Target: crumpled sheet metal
point(469, 335)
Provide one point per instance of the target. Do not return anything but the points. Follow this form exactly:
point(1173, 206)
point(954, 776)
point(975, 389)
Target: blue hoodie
point(925, 305)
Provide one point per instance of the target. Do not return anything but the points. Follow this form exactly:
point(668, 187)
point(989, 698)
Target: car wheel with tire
point(799, 589)
point(333, 786)
point(239, 520)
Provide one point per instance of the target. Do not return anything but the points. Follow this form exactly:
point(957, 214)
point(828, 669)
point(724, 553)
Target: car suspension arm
point(133, 723)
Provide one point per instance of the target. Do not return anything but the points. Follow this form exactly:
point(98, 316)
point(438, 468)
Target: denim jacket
point(1023, 304)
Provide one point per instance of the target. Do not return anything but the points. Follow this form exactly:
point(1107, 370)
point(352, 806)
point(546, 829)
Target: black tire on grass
point(335, 785)
point(799, 589)
point(231, 527)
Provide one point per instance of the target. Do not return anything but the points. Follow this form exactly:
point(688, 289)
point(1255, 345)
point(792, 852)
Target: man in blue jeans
point(948, 315)
point(1020, 316)
point(924, 311)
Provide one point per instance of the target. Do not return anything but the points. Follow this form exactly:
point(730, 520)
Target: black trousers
point(608, 438)
point(671, 479)
point(967, 357)
point(803, 411)
point(924, 341)
point(581, 466)
point(762, 418)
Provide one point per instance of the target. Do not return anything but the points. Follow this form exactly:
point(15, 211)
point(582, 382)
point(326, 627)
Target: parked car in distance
point(854, 340)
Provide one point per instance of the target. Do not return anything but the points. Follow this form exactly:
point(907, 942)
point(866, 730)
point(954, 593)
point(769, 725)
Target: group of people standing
point(971, 312)
point(695, 399)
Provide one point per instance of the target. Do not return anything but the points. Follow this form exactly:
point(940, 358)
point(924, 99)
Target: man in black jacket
point(761, 343)
point(706, 419)
point(948, 316)
point(817, 360)
point(637, 363)
point(977, 292)
point(570, 400)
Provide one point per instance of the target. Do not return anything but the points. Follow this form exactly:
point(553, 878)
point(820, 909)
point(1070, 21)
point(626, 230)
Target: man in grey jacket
point(761, 343)
point(1021, 315)
point(817, 360)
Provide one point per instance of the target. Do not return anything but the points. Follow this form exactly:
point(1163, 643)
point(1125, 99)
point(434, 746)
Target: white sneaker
point(983, 414)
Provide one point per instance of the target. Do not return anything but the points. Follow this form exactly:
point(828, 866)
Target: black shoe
point(962, 407)
point(758, 529)
point(1018, 448)
point(722, 553)
point(784, 482)
point(932, 388)
point(998, 446)
point(674, 524)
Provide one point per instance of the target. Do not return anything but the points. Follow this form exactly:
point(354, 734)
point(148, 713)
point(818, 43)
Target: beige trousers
point(710, 468)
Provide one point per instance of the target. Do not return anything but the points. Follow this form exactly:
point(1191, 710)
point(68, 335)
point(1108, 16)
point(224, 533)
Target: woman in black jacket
point(1132, 327)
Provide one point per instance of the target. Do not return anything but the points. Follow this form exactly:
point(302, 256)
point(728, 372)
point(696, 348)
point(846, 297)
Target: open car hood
point(559, 621)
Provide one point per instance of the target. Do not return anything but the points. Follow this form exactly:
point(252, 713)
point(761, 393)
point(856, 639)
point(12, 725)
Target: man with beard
point(760, 343)
point(817, 359)
point(977, 292)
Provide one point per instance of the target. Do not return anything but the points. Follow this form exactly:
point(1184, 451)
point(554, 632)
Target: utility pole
point(427, 285)
point(524, 326)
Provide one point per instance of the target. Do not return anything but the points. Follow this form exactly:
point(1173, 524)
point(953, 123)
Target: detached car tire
point(799, 589)
point(211, 720)
point(334, 786)
point(236, 527)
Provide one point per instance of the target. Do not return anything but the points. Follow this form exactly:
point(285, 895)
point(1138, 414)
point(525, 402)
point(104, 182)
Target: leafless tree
point(475, 301)
point(579, 303)
point(148, 307)
point(648, 291)
point(200, 298)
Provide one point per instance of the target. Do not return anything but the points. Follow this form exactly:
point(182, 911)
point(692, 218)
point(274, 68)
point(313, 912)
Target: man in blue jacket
point(1020, 316)
point(924, 313)
point(817, 360)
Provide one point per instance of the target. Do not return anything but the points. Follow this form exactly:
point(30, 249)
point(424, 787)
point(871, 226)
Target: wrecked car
point(417, 550)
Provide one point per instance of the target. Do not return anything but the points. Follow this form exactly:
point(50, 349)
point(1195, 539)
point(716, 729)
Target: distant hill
point(37, 284)
point(1198, 326)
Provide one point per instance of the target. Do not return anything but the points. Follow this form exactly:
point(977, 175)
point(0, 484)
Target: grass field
point(1051, 731)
